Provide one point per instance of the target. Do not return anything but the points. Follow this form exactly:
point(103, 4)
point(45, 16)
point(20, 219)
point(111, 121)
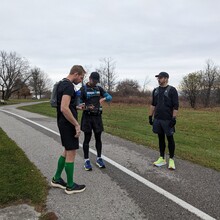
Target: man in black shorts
point(164, 108)
point(69, 130)
point(93, 96)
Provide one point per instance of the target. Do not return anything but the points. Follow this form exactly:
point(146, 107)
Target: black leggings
point(162, 145)
point(98, 144)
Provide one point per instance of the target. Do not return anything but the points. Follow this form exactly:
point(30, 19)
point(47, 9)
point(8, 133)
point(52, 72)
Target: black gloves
point(173, 122)
point(150, 120)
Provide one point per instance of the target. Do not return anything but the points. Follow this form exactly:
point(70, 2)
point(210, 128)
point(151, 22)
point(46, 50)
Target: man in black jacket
point(162, 116)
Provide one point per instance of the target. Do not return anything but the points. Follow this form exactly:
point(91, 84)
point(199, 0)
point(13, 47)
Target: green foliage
point(18, 101)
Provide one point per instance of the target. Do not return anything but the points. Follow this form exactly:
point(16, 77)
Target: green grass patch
point(21, 181)
point(197, 131)
point(18, 101)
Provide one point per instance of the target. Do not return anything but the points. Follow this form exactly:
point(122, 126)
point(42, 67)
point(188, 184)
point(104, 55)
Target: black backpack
point(53, 98)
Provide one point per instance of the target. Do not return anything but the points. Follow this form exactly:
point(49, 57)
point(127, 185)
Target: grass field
point(17, 101)
point(197, 131)
point(21, 181)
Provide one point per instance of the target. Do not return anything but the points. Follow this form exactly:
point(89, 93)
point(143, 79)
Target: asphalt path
point(129, 188)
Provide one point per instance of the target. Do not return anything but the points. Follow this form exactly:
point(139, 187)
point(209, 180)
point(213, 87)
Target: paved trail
point(130, 187)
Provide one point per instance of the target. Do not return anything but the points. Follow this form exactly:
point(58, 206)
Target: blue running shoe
point(87, 165)
point(100, 163)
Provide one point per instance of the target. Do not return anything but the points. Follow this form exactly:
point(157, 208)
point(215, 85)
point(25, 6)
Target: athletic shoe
point(87, 165)
point(60, 183)
point(171, 164)
point(75, 189)
point(160, 162)
point(100, 163)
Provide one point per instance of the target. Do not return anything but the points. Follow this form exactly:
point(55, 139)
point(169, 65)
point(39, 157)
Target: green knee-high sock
point(60, 166)
point(69, 168)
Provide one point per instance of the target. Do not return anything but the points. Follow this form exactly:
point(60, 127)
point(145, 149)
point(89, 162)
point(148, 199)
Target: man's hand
point(90, 107)
point(102, 100)
point(81, 106)
point(172, 122)
point(150, 120)
point(78, 131)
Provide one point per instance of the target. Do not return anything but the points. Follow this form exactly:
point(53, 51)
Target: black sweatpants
point(162, 145)
point(98, 143)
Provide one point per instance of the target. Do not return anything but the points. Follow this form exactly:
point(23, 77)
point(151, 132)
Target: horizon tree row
point(17, 78)
point(202, 88)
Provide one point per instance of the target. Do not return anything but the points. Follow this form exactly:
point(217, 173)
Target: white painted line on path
point(151, 185)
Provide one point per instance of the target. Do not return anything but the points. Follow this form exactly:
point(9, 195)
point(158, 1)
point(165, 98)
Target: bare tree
point(191, 87)
point(39, 82)
point(12, 68)
point(107, 73)
point(24, 91)
point(146, 82)
point(2, 89)
point(44, 84)
point(209, 77)
point(86, 77)
point(217, 89)
point(35, 72)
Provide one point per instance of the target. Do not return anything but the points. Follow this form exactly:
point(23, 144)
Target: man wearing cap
point(93, 96)
point(162, 116)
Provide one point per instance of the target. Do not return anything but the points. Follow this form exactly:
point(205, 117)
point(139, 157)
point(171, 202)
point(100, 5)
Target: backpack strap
point(85, 90)
point(156, 91)
point(166, 93)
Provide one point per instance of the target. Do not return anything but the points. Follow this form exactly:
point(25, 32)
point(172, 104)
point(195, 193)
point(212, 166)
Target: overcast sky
point(144, 37)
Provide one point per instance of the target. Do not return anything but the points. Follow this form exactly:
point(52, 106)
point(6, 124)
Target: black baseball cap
point(162, 74)
point(95, 76)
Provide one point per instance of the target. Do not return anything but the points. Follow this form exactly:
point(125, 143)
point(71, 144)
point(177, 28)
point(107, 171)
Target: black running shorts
point(163, 127)
point(91, 122)
point(67, 134)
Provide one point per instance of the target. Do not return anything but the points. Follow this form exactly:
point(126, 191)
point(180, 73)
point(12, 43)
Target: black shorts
point(67, 134)
point(91, 122)
point(163, 127)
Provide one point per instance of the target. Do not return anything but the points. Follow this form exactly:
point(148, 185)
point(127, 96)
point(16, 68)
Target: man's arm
point(175, 103)
point(151, 112)
point(175, 113)
point(105, 96)
point(68, 114)
point(175, 100)
point(152, 109)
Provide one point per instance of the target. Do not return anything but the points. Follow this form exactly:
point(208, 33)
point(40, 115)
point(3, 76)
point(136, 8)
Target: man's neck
point(164, 85)
point(91, 85)
point(69, 78)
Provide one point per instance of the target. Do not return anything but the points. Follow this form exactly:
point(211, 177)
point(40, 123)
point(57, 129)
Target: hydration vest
point(166, 92)
point(89, 94)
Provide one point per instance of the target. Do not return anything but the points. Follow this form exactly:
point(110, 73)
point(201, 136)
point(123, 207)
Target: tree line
point(202, 88)
point(199, 88)
point(17, 78)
